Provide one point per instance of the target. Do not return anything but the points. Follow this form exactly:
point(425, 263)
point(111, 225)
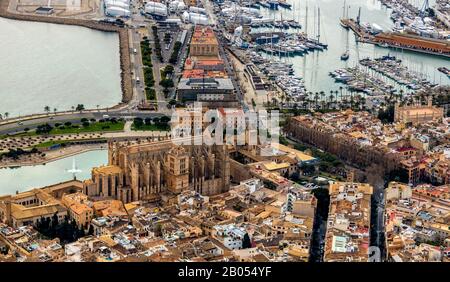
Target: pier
point(399, 40)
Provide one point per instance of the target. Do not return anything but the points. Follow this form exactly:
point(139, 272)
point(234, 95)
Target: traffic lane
point(31, 124)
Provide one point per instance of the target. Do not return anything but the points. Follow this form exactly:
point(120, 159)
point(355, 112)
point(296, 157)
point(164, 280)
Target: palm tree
point(73, 108)
point(6, 115)
point(55, 110)
point(98, 107)
point(47, 109)
point(305, 104)
point(331, 98)
point(336, 96)
point(322, 96)
point(316, 99)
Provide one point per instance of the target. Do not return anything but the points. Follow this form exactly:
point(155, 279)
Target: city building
point(418, 113)
point(204, 42)
point(348, 228)
point(416, 222)
point(151, 168)
point(27, 208)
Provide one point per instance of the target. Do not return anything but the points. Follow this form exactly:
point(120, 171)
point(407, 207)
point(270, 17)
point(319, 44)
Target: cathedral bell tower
point(177, 171)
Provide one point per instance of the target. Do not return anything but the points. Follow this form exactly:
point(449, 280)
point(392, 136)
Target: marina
point(282, 74)
point(314, 67)
point(392, 68)
point(358, 80)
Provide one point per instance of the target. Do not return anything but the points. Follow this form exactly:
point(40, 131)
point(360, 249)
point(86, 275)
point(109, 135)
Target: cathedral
point(142, 171)
point(418, 113)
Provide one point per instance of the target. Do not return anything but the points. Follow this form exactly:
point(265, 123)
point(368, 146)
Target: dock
point(399, 40)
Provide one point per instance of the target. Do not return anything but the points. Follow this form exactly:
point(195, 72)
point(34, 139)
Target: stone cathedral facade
point(141, 171)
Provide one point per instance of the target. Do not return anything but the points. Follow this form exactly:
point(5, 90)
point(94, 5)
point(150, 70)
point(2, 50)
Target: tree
point(81, 232)
point(6, 115)
point(138, 122)
point(80, 107)
point(44, 129)
point(387, 115)
point(166, 83)
point(169, 69)
point(246, 243)
point(47, 109)
point(91, 230)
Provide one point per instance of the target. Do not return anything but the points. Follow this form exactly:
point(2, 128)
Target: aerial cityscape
point(225, 131)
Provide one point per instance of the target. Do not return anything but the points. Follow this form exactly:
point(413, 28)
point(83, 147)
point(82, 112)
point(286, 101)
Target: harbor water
point(58, 66)
point(315, 67)
point(28, 177)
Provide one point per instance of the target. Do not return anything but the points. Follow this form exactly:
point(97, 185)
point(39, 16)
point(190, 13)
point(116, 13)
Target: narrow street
point(377, 237)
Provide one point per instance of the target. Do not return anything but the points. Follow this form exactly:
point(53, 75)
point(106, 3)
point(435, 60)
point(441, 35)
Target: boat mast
point(318, 24)
point(306, 20)
point(358, 19)
point(343, 10)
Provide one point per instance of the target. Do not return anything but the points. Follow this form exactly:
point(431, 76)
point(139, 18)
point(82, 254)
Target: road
point(129, 110)
point(377, 233)
point(15, 127)
point(209, 7)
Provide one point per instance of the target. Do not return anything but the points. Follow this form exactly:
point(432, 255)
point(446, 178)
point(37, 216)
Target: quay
point(413, 43)
point(399, 40)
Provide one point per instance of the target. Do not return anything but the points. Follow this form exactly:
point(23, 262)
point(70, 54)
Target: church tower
point(177, 170)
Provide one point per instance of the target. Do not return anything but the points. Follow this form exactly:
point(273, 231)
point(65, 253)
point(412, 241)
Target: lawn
point(92, 127)
point(51, 143)
point(79, 128)
point(149, 127)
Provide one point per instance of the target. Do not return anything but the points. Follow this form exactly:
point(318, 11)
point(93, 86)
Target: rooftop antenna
point(74, 170)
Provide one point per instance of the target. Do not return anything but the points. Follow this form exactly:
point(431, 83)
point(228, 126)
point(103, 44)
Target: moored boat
point(345, 56)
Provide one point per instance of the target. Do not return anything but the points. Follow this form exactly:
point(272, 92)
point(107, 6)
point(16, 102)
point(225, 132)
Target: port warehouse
point(414, 42)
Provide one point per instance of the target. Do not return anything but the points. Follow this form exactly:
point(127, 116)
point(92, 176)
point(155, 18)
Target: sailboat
point(346, 55)
point(343, 20)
